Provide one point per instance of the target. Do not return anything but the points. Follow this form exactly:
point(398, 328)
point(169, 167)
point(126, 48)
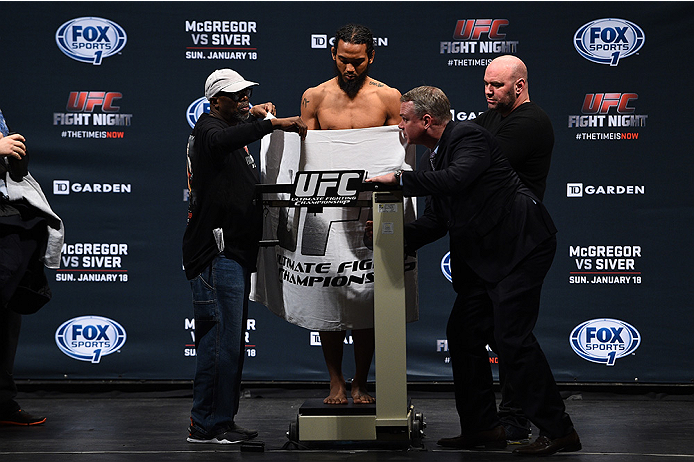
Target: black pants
point(503, 315)
point(17, 246)
point(10, 323)
point(510, 412)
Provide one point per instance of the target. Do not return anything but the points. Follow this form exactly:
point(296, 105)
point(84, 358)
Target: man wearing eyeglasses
point(220, 246)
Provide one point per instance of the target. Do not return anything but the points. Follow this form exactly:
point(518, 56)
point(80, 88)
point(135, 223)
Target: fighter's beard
point(352, 87)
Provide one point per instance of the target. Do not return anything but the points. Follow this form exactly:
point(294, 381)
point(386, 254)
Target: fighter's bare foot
point(360, 396)
point(338, 395)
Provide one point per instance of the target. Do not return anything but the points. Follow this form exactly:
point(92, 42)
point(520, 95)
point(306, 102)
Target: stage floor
point(151, 426)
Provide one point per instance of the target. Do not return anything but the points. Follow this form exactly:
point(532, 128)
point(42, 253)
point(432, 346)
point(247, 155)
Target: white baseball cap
point(225, 80)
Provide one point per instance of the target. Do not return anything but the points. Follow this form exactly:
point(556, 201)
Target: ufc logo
point(472, 29)
point(316, 230)
point(86, 101)
point(327, 188)
point(323, 184)
point(595, 103)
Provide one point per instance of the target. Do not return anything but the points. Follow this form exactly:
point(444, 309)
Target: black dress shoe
point(489, 439)
point(544, 446)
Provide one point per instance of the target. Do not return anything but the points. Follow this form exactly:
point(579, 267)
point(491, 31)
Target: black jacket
point(222, 179)
point(475, 196)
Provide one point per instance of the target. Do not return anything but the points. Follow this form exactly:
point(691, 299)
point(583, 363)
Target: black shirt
point(222, 179)
point(526, 138)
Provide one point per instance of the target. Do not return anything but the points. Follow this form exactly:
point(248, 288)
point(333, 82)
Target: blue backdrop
point(104, 93)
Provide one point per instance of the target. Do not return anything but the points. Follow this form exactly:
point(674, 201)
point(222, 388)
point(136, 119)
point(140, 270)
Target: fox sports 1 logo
point(446, 266)
point(89, 338)
point(90, 39)
point(604, 341)
point(196, 109)
point(606, 41)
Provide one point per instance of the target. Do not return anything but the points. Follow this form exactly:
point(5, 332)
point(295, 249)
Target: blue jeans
point(220, 302)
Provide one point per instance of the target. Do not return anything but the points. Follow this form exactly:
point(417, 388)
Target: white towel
point(320, 277)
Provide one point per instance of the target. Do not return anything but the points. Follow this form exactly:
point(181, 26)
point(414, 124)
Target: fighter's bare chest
point(342, 114)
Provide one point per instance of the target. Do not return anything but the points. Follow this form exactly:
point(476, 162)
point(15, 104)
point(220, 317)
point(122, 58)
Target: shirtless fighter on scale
point(351, 99)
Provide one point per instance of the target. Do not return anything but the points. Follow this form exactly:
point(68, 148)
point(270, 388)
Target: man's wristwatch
point(398, 174)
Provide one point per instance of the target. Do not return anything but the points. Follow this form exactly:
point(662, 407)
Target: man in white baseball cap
point(226, 80)
point(220, 246)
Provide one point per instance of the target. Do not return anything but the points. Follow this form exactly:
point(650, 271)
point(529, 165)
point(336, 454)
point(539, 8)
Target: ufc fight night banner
point(106, 95)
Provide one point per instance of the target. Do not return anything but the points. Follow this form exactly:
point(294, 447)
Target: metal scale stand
point(391, 421)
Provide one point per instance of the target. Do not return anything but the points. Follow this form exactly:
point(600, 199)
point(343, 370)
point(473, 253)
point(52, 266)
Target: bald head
point(510, 65)
point(506, 84)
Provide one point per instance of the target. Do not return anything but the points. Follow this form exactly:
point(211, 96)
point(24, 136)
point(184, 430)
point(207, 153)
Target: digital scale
point(391, 420)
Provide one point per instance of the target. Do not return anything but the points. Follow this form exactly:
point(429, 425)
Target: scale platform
point(316, 406)
point(329, 425)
